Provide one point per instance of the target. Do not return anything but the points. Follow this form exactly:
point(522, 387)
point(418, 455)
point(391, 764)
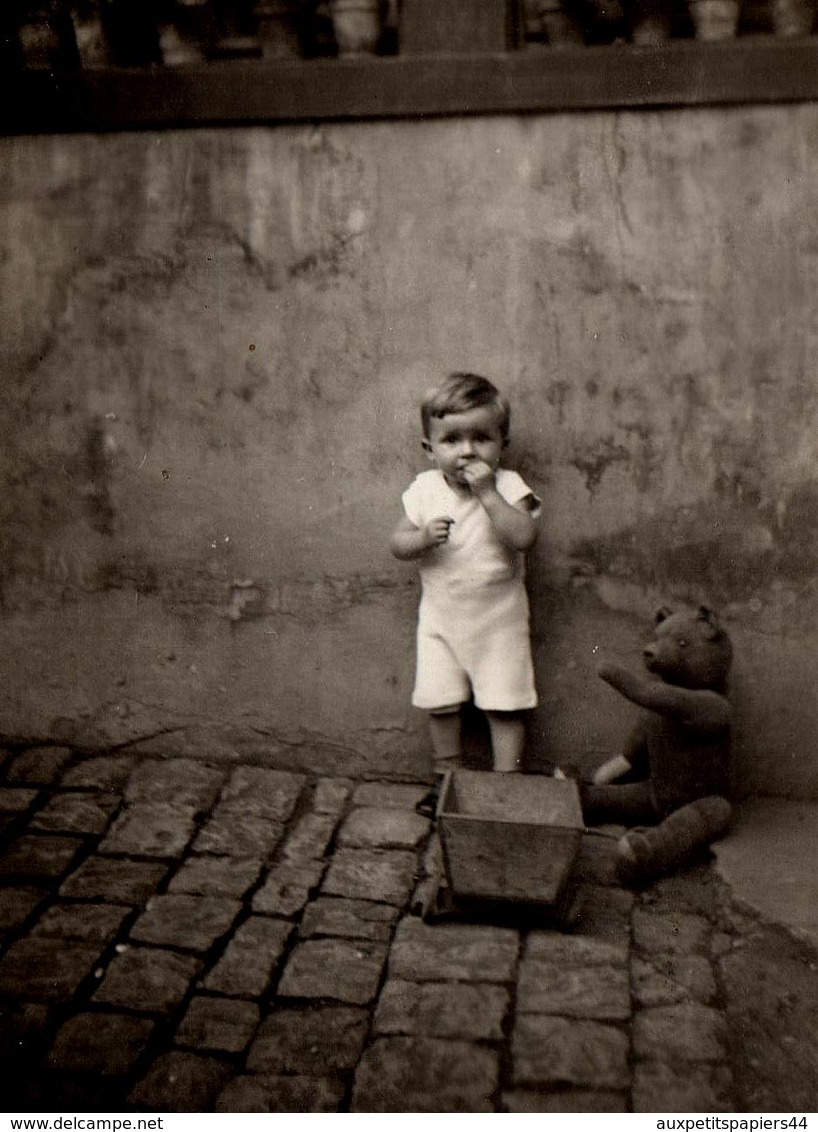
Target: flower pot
point(714, 19)
point(560, 26)
point(793, 17)
point(92, 43)
point(47, 39)
point(650, 21)
point(188, 37)
point(278, 28)
point(357, 25)
point(650, 31)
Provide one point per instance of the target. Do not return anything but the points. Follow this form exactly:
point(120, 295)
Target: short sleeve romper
point(473, 622)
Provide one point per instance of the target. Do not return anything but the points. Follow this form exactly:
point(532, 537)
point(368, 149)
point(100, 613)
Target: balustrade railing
point(66, 34)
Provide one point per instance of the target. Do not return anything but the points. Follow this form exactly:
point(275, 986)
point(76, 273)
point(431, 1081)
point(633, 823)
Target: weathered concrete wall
point(213, 348)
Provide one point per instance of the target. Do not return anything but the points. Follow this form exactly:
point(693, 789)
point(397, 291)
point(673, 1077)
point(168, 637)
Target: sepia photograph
point(348, 347)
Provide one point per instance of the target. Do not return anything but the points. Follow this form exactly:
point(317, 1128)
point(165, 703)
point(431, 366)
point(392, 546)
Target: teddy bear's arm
point(696, 707)
point(611, 770)
point(633, 761)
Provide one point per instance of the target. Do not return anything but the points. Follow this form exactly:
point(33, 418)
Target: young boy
point(468, 522)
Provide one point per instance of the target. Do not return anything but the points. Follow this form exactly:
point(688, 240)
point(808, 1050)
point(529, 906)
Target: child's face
point(460, 438)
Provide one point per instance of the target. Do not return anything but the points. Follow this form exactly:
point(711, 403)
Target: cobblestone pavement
point(184, 937)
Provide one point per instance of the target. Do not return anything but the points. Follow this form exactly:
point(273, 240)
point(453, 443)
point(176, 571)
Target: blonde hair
point(461, 392)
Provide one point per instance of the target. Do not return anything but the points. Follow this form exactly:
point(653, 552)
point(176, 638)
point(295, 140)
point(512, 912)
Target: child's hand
point(437, 530)
point(479, 476)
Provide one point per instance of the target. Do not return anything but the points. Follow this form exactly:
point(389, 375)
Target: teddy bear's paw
point(632, 861)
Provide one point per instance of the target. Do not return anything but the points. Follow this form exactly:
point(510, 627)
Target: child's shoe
point(644, 854)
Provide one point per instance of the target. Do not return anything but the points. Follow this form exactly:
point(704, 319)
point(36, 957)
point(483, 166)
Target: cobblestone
point(442, 1010)
point(188, 784)
point(574, 950)
point(49, 969)
point(663, 980)
point(181, 1082)
point(16, 800)
point(310, 838)
point(91, 923)
point(347, 970)
point(354, 919)
point(599, 992)
point(232, 833)
point(150, 829)
point(115, 880)
point(404, 1074)
point(466, 953)
point(149, 979)
point(182, 937)
point(282, 1094)
point(40, 855)
point(605, 914)
point(367, 827)
point(17, 903)
point(330, 795)
point(390, 795)
point(22, 1026)
point(193, 923)
point(570, 1100)
point(287, 888)
point(76, 813)
point(103, 772)
point(367, 874)
point(314, 1042)
point(248, 963)
point(218, 1024)
point(559, 1051)
point(683, 1033)
point(216, 876)
point(679, 932)
point(108, 1044)
point(255, 791)
point(39, 765)
point(682, 1088)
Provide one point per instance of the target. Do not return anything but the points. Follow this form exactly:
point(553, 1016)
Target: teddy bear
point(674, 775)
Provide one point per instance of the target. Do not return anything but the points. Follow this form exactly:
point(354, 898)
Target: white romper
point(473, 621)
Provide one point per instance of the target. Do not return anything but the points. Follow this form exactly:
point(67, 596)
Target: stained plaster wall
point(213, 346)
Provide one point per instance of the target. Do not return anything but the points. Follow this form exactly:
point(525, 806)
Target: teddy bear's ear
point(711, 619)
point(662, 615)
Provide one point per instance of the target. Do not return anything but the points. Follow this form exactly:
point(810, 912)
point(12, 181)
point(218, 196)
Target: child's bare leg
point(444, 729)
point(507, 740)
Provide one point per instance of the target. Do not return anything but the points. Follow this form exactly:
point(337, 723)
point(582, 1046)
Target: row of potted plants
point(570, 22)
point(95, 33)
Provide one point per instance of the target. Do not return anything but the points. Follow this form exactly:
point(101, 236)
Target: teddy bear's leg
point(643, 854)
point(627, 803)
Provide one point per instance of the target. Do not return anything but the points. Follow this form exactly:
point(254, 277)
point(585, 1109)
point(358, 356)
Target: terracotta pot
point(714, 19)
point(187, 39)
point(650, 21)
point(793, 17)
point(278, 27)
point(47, 39)
point(561, 28)
point(92, 43)
point(357, 25)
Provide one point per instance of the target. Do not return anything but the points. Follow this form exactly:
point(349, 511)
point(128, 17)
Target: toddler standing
point(468, 522)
